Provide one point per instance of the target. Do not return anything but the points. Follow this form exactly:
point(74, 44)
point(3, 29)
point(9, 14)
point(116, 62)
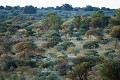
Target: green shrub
point(29, 10)
point(109, 70)
point(52, 76)
point(91, 53)
point(107, 31)
point(115, 45)
point(80, 71)
point(92, 59)
point(102, 40)
point(52, 42)
point(62, 47)
point(118, 51)
point(108, 51)
point(69, 44)
point(45, 45)
point(54, 35)
point(8, 65)
point(31, 64)
point(94, 32)
point(115, 32)
point(90, 45)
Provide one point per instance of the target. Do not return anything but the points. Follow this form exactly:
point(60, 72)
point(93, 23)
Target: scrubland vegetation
point(62, 43)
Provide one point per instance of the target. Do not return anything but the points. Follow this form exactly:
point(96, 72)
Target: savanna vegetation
point(62, 43)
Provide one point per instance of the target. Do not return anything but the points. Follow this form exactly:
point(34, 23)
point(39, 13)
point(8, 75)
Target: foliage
point(38, 43)
point(29, 10)
point(108, 51)
point(67, 7)
point(80, 71)
point(91, 53)
point(77, 21)
point(24, 49)
point(90, 8)
point(116, 20)
point(52, 76)
point(23, 46)
point(94, 32)
point(90, 45)
point(109, 70)
point(64, 46)
point(61, 47)
point(8, 8)
point(1, 7)
point(99, 20)
point(3, 28)
point(9, 65)
point(88, 58)
point(29, 32)
point(54, 21)
point(115, 32)
point(53, 40)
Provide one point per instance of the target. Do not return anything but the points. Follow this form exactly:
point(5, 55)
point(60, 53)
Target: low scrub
point(90, 45)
